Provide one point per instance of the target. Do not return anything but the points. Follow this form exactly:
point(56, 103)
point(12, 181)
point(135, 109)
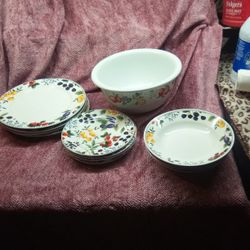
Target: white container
point(243, 82)
point(242, 55)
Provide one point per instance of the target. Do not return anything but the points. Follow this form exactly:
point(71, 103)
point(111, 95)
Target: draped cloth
point(63, 38)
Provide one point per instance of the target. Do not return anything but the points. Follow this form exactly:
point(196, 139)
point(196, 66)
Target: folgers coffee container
point(235, 12)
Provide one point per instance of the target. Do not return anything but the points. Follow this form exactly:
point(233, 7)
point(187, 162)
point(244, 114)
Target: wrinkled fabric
point(66, 39)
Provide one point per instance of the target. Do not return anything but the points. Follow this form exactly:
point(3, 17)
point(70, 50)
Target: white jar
point(242, 55)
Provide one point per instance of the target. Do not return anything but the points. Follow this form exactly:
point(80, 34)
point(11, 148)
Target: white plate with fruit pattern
point(41, 103)
point(98, 132)
point(44, 132)
point(103, 159)
point(188, 137)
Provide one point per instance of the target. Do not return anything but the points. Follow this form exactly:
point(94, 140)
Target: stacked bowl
point(188, 140)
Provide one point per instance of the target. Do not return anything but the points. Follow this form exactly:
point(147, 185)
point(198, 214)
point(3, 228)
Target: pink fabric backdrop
point(65, 39)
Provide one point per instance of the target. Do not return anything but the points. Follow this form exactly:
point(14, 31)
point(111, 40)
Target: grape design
point(195, 115)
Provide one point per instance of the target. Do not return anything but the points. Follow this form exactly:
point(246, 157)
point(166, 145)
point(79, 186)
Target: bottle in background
point(242, 54)
point(235, 12)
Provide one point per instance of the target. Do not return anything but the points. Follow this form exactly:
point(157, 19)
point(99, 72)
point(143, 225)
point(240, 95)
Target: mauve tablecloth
point(65, 39)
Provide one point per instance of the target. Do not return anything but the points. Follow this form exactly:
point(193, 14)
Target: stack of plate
point(42, 107)
point(189, 140)
point(99, 136)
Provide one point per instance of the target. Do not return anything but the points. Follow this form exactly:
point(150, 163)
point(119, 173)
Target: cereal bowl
point(137, 80)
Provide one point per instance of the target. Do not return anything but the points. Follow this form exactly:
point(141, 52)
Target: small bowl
point(137, 80)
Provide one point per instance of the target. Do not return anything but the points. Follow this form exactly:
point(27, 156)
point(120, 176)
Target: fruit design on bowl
point(137, 80)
